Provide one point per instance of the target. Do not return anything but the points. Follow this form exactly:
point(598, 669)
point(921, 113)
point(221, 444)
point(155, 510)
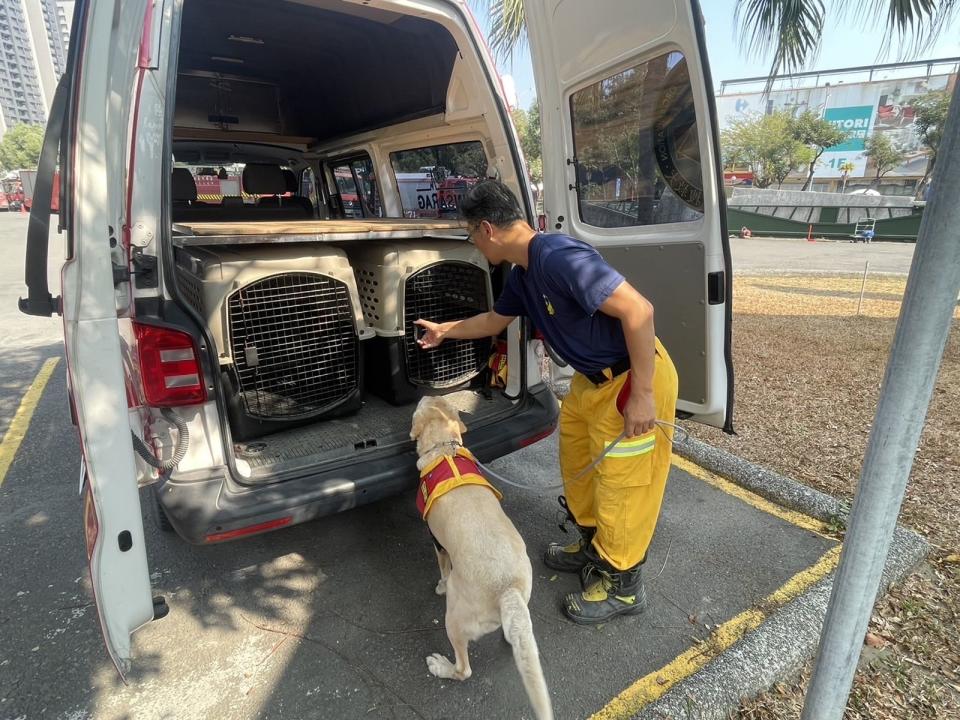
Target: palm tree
point(792, 29)
point(846, 168)
point(508, 25)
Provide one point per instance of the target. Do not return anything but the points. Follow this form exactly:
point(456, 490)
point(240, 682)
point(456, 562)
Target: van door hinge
point(140, 236)
point(144, 270)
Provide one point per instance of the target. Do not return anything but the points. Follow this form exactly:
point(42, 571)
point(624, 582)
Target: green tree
point(766, 145)
point(885, 155)
point(818, 135)
point(931, 114)
point(527, 123)
point(20, 147)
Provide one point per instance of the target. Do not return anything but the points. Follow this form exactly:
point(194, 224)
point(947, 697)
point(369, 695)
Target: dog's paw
point(440, 667)
point(441, 588)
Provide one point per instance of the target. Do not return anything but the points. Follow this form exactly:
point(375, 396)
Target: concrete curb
point(789, 636)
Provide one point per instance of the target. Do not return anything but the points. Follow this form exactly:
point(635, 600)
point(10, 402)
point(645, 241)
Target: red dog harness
point(446, 473)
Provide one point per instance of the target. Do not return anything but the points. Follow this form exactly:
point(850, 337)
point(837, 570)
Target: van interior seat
point(263, 179)
point(184, 187)
point(272, 180)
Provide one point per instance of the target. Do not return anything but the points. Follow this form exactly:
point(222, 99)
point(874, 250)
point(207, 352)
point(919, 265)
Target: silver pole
point(863, 285)
point(922, 330)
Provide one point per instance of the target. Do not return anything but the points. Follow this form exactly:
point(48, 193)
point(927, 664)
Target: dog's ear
point(417, 425)
point(426, 410)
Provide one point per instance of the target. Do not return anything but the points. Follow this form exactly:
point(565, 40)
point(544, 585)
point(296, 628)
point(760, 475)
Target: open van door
point(631, 165)
point(89, 121)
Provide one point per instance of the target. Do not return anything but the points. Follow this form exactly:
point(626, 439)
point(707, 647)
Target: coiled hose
point(183, 441)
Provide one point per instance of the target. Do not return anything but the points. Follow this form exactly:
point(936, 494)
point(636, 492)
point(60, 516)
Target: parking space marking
point(656, 684)
point(791, 516)
point(21, 420)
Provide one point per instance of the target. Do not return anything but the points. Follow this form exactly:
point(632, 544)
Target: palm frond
point(916, 23)
point(791, 28)
point(508, 27)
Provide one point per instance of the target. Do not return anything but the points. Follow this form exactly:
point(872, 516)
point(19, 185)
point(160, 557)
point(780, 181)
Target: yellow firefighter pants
point(621, 496)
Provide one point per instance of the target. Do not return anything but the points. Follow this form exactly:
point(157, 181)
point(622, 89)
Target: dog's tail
point(518, 630)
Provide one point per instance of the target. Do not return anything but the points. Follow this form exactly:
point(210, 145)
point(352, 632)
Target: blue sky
point(846, 42)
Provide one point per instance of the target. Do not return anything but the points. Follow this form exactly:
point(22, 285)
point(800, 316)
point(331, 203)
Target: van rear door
point(631, 165)
point(98, 98)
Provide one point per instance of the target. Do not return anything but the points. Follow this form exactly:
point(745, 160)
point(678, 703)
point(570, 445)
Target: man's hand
point(639, 414)
point(435, 332)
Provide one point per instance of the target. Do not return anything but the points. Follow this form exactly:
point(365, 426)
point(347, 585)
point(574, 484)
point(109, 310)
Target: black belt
point(618, 368)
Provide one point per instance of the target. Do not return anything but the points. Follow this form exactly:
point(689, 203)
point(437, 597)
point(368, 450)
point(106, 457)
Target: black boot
point(572, 558)
point(608, 593)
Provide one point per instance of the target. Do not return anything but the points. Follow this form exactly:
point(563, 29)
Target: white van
point(260, 348)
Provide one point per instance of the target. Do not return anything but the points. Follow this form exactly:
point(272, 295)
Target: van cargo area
point(313, 326)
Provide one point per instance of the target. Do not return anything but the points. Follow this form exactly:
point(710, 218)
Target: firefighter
point(625, 382)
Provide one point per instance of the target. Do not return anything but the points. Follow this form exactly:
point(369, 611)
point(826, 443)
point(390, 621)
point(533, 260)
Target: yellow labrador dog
point(484, 569)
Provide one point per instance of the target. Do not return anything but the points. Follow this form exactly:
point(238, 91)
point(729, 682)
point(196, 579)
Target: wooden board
point(319, 227)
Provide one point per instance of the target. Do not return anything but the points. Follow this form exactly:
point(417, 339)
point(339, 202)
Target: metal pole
point(866, 267)
point(925, 318)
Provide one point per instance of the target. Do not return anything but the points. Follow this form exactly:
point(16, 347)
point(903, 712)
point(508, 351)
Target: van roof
point(335, 73)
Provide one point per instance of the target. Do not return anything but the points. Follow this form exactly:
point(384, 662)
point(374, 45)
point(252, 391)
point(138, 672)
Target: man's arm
point(483, 325)
point(635, 313)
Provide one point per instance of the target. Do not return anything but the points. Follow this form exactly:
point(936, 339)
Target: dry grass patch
point(808, 380)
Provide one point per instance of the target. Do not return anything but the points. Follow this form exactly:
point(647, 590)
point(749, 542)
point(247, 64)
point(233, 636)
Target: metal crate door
point(294, 344)
point(440, 293)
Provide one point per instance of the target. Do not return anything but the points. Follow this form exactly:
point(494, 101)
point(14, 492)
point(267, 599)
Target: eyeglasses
point(470, 233)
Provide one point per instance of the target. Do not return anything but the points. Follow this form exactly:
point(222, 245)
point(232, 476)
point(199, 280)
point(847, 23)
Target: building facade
point(862, 101)
point(34, 36)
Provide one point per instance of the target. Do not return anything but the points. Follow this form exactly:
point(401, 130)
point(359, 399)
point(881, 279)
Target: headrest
point(291, 181)
point(184, 187)
point(263, 179)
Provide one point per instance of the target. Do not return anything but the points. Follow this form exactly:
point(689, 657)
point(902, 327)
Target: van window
point(432, 180)
point(357, 187)
point(216, 182)
point(635, 141)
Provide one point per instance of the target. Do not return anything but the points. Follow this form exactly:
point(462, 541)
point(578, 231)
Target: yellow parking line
point(799, 519)
point(656, 684)
point(21, 420)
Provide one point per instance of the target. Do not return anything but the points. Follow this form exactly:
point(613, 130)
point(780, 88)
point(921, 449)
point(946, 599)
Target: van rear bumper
point(212, 509)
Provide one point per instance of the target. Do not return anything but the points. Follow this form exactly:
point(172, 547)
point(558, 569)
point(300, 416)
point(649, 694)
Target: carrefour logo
point(855, 121)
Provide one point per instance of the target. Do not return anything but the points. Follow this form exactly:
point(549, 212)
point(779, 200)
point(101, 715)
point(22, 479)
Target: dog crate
point(288, 329)
point(435, 280)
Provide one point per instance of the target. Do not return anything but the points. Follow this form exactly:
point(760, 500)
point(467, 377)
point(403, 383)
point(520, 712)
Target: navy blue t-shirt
point(565, 283)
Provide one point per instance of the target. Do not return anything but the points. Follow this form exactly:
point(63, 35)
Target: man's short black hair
point(492, 201)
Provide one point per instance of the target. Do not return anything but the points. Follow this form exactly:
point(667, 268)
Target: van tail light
point(169, 367)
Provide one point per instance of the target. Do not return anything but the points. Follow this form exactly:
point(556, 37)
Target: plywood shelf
point(243, 233)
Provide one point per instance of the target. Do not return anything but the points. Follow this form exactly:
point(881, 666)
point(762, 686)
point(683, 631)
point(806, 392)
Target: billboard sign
point(860, 108)
point(855, 121)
